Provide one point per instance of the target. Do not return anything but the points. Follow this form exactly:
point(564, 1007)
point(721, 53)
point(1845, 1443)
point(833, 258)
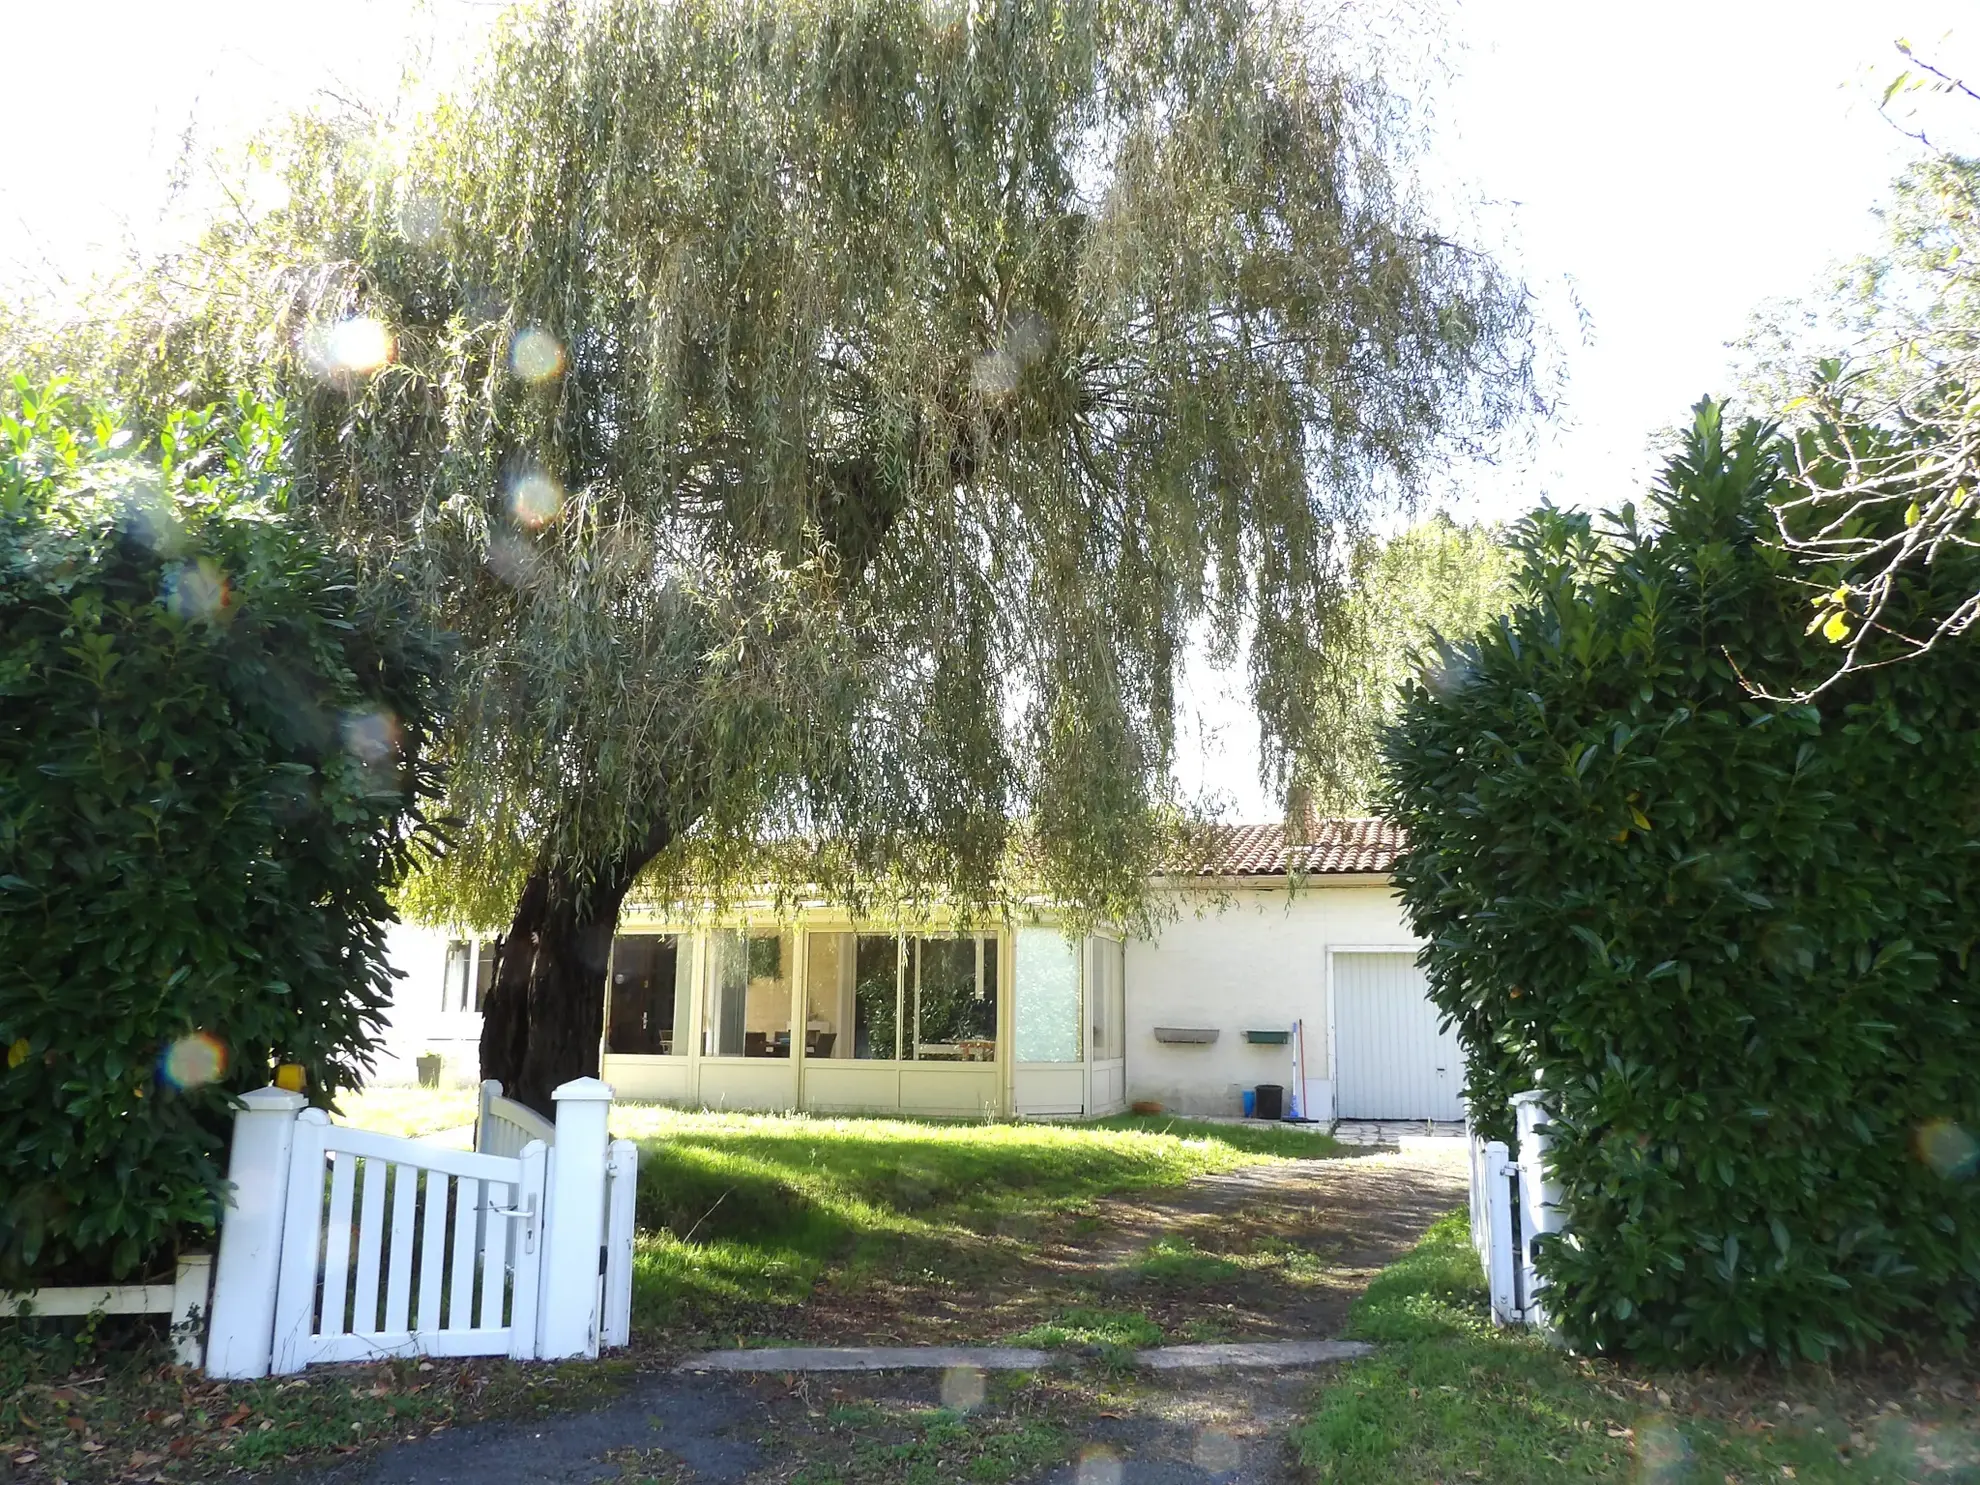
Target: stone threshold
point(1252, 1354)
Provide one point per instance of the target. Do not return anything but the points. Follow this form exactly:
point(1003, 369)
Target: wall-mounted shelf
point(1198, 1035)
point(1268, 1038)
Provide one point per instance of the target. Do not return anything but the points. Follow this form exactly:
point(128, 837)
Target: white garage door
point(1390, 1061)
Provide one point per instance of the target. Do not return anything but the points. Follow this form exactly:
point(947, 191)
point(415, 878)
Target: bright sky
point(1678, 163)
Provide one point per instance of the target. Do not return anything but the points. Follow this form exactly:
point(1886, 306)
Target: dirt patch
point(1267, 1252)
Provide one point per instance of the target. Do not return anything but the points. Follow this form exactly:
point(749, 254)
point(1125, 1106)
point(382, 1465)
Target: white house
point(1269, 956)
point(1266, 936)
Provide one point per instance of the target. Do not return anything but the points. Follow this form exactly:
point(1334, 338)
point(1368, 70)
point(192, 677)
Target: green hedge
point(1731, 937)
point(207, 785)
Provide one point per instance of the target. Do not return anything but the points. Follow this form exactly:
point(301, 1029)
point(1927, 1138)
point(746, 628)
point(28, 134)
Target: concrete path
point(1276, 1355)
point(781, 1359)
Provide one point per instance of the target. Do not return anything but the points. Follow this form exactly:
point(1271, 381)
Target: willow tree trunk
point(544, 1018)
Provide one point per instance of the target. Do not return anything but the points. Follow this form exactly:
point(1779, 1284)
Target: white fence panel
point(184, 1299)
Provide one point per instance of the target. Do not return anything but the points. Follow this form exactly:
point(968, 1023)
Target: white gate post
point(1539, 1194)
point(241, 1330)
point(574, 1226)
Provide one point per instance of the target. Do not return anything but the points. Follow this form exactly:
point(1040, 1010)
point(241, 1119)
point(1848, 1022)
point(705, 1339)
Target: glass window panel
point(876, 997)
point(828, 994)
point(484, 971)
point(1117, 996)
point(748, 1010)
point(726, 999)
point(955, 1000)
point(1047, 996)
point(649, 1010)
point(767, 1017)
point(454, 979)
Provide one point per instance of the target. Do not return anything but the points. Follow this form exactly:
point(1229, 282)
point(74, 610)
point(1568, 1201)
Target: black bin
point(1271, 1101)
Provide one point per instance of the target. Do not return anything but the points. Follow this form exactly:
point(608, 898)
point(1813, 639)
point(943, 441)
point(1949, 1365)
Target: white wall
point(418, 1024)
point(1257, 962)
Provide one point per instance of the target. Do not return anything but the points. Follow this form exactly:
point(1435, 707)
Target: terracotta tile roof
point(1331, 846)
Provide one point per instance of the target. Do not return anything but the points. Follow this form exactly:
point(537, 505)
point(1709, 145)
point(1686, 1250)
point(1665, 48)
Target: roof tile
point(1331, 846)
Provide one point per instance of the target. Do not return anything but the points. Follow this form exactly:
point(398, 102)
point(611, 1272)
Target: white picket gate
point(344, 1245)
point(1513, 1204)
point(502, 1126)
point(460, 1275)
point(1492, 1187)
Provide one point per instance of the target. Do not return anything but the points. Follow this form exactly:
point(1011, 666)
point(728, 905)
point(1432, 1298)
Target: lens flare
point(193, 1061)
point(535, 356)
point(349, 348)
point(513, 559)
point(197, 590)
point(994, 375)
point(419, 219)
point(1663, 1454)
point(371, 737)
point(1947, 1148)
point(962, 1388)
point(1029, 338)
point(147, 515)
point(1216, 1452)
point(535, 500)
point(1098, 1465)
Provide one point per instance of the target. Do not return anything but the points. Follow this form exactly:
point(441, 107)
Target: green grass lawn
point(742, 1218)
point(410, 1113)
point(1449, 1397)
point(743, 1214)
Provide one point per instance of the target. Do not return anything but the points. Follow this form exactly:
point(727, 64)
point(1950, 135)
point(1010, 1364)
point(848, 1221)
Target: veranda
point(813, 1010)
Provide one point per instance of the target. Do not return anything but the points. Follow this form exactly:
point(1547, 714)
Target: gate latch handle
point(527, 1211)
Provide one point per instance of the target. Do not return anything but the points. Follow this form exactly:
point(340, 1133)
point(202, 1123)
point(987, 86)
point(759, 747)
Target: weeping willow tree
point(823, 425)
point(1435, 581)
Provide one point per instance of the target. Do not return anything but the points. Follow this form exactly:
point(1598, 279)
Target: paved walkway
point(1395, 1134)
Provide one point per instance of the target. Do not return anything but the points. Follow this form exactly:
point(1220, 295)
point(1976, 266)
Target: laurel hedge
point(210, 775)
point(1731, 937)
